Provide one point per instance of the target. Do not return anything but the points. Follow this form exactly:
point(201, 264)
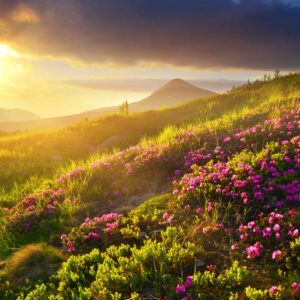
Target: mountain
point(172, 93)
point(16, 115)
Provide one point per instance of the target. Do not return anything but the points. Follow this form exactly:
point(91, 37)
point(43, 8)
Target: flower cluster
point(73, 174)
point(35, 208)
point(90, 231)
point(182, 288)
point(272, 233)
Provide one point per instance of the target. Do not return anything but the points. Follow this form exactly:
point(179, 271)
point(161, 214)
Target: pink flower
point(210, 267)
point(273, 290)
point(234, 246)
point(170, 219)
point(276, 255)
point(71, 250)
point(243, 228)
point(256, 230)
point(189, 282)
point(296, 287)
point(199, 210)
point(253, 251)
point(207, 230)
point(165, 216)
point(251, 224)
point(63, 237)
point(243, 236)
point(180, 288)
point(31, 208)
point(276, 227)
point(267, 232)
point(210, 206)
point(294, 233)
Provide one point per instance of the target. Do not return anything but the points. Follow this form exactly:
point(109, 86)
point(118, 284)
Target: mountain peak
point(175, 83)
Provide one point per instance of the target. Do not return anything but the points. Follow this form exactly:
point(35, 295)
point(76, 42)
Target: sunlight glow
point(6, 51)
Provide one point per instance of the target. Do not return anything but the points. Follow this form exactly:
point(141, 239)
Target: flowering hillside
point(206, 211)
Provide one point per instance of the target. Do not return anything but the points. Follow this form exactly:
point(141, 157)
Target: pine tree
point(276, 74)
point(126, 108)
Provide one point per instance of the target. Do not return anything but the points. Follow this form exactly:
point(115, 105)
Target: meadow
point(198, 201)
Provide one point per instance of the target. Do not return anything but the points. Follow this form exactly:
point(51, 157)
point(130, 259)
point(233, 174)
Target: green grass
point(31, 162)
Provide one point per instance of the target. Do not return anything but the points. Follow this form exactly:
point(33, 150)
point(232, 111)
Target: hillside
point(200, 210)
point(172, 93)
point(56, 148)
point(16, 115)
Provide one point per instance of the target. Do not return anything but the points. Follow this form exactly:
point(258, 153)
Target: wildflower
point(273, 290)
point(256, 230)
point(189, 282)
point(199, 210)
point(31, 208)
point(242, 228)
point(71, 249)
point(296, 287)
point(294, 233)
point(251, 224)
point(276, 255)
point(63, 237)
point(243, 236)
point(234, 246)
point(165, 216)
point(177, 172)
point(207, 229)
point(254, 251)
point(180, 288)
point(210, 206)
point(210, 267)
point(276, 227)
point(267, 232)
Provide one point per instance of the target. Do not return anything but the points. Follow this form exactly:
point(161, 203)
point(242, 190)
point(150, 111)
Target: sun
point(6, 51)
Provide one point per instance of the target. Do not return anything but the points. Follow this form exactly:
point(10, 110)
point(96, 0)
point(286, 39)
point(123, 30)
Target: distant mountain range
point(170, 94)
point(16, 115)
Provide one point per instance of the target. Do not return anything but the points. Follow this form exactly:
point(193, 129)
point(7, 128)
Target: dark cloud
point(258, 34)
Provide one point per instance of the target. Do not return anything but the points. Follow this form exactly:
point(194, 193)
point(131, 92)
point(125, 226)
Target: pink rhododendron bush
point(225, 222)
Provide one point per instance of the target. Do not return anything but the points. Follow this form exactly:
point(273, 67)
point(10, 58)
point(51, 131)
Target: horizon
point(54, 66)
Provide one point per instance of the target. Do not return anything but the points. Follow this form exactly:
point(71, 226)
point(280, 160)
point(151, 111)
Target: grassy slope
point(29, 154)
point(238, 109)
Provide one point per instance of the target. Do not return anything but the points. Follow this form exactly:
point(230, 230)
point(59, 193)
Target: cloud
point(254, 34)
point(24, 14)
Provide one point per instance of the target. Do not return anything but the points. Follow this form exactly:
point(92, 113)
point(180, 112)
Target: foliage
point(205, 210)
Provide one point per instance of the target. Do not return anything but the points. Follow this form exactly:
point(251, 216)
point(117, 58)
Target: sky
point(62, 57)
